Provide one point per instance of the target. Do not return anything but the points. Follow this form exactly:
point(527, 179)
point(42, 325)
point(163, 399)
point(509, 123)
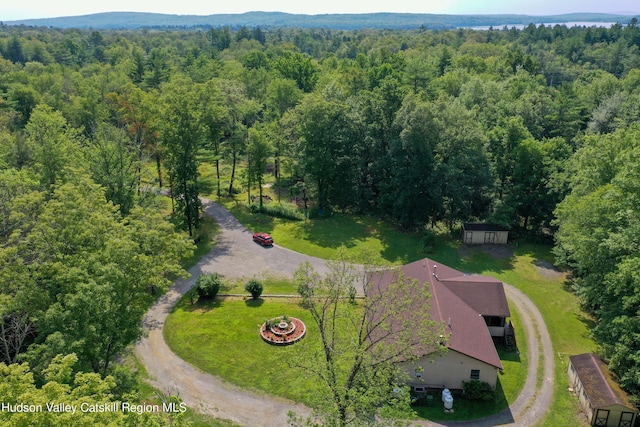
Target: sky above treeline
point(30, 9)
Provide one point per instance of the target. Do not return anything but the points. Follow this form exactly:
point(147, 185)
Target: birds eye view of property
point(272, 219)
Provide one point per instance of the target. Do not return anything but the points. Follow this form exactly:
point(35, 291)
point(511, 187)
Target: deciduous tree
point(182, 135)
point(258, 151)
point(96, 271)
point(362, 342)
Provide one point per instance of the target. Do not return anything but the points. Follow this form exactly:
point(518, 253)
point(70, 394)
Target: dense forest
point(535, 129)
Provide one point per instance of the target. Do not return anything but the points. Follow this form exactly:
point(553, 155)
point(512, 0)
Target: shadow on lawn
point(253, 221)
point(508, 356)
point(334, 231)
point(206, 185)
point(475, 259)
point(254, 302)
point(588, 322)
point(203, 305)
point(400, 246)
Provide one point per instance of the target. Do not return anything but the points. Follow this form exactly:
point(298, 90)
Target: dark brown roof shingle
point(450, 289)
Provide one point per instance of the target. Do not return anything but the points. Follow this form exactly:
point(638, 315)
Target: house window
point(490, 237)
point(475, 374)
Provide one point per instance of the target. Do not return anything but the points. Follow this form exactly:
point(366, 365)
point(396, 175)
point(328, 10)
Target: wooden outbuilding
point(484, 234)
point(604, 402)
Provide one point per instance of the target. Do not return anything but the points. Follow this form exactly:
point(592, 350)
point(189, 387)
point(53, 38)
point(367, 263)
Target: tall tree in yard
point(258, 150)
point(461, 163)
point(412, 192)
point(241, 114)
point(282, 95)
point(182, 136)
point(361, 340)
point(213, 119)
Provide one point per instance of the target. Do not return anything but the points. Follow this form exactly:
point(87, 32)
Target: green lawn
point(273, 285)
point(222, 338)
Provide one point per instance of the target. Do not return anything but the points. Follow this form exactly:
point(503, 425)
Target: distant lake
point(546, 24)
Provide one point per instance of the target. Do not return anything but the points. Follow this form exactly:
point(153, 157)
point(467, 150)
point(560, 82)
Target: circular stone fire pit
point(283, 330)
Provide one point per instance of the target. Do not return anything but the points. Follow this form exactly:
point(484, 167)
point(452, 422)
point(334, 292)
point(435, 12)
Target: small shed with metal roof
point(604, 402)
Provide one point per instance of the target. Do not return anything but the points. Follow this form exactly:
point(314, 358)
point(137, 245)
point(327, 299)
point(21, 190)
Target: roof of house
point(485, 297)
point(598, 382)
point(485, 294)
point(468, 331)
point(480, 226)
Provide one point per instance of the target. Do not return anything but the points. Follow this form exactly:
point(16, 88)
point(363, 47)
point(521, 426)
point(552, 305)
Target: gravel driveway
point(237, 256)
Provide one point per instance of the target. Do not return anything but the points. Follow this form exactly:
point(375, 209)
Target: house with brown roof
point(604, 402)
point(473, 309)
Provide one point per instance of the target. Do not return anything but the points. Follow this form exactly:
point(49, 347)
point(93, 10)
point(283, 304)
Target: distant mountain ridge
point(132, 20)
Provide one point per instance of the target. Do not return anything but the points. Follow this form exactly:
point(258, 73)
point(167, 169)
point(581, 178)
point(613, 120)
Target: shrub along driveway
point(237, 256)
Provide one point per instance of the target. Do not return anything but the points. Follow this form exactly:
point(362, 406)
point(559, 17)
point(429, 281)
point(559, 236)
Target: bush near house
point(478, 390)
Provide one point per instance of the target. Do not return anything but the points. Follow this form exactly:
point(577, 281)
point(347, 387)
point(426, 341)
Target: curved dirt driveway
point(236, 256)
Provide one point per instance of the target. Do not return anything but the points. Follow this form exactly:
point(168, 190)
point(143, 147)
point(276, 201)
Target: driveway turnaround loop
point(237, 256)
